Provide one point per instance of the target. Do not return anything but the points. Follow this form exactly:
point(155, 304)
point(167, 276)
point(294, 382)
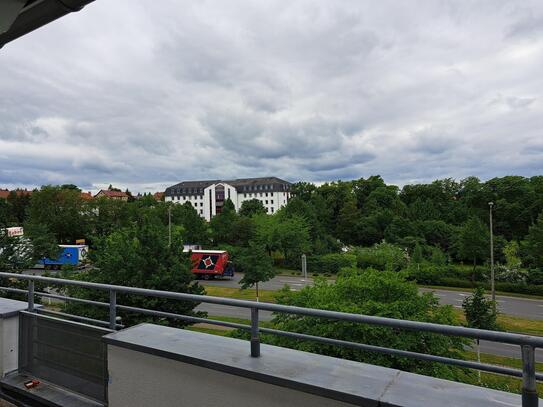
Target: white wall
point(272, 201)
point(9, 344)
point(139, 379)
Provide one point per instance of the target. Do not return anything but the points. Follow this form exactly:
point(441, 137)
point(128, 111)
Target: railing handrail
point(527, 343)
point(494, 336)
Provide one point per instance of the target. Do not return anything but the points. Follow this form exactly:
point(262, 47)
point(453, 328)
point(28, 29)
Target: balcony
point(84, 362)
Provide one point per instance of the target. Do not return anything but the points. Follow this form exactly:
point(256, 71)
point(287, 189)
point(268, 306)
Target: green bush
point(330, 263)
point(382, 256)
point(535, 277)
point(427, 273)
point(458, 276)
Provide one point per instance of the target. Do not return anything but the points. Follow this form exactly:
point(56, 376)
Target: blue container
point(73, 255)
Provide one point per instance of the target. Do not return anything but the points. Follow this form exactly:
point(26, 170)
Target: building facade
point(208, 197)
point(115, 195)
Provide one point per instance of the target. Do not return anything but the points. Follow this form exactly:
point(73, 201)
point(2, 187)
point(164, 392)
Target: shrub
point(330, 263)
point(535, 277)
point(382, 256)
point(371, 292)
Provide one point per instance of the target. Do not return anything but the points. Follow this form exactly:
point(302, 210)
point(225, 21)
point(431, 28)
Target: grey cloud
point(312, 90)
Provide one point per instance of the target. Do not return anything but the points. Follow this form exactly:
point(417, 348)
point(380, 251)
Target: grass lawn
point(248, 294)
point(504, 293)
point(512, 324)
point(507, 383)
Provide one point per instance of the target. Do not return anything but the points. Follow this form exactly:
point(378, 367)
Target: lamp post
point(492, 288)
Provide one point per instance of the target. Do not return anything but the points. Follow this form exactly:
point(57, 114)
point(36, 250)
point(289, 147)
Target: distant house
point(159, 196)
point(116, 195)
point(4, 193)
point(86, 196)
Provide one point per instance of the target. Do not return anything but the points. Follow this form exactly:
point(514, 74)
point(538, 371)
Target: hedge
point(329, 263)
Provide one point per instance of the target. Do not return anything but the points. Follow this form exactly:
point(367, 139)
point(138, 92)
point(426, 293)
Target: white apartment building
point(208, 197)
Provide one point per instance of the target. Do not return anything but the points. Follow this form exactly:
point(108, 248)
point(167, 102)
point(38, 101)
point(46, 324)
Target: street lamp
point(492, 288)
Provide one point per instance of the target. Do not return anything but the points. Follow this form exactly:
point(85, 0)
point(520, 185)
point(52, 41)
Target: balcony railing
point(527, 343)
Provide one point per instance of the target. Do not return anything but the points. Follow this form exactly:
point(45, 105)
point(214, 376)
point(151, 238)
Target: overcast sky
point(144, 94)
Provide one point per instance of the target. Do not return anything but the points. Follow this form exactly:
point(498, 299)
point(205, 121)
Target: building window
point(271, 202)
point(201, 211)
point(271, 209)
point(266, 201)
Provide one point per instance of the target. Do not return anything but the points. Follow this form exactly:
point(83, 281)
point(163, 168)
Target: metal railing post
point(31, 295)
point(112, 309)
point(529, 389)
point(255, 338)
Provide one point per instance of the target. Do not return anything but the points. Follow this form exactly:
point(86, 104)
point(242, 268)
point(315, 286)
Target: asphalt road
point(521, 307)
point(526, 308)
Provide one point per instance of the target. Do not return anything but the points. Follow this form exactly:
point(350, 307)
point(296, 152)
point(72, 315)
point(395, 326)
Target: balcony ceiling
point(19, 17)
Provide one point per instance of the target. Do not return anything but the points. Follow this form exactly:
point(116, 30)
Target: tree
point(417, 256)
point(222, 224)
point(106, 215)
point(195, 229)
point(43, 243)
point(252, 207)
point(62, 211)
point(534, 244)
point(473, 243)
point(15, 253)
point(139, 256)
point(258, 268)
point(71, 186)
point(370, 292)
point(19, 202)
point(480, 313)
point(293, 238)
point(349, 216)
point(5, 214)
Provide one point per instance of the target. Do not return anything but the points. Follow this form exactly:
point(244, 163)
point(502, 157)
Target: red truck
point(208, 264)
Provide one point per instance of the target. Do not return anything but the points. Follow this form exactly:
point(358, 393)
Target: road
point(521, 307)
point(518, 307)
point(501, 349)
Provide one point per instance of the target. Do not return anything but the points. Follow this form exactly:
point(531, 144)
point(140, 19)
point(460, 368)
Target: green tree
point(252, 207)
point(371, 292)
point(5, 214)
point(195, 229)
point(43, 243)
point(473, 242)
point(257, 268)
point(293, 238)
point(267, 233)
point(349, 216)
point(534, 244)
point(480, 313)
point(19, 202)
point(223, 224)
point(105, 216)
point(139, 256)
point(417, 256)
point(62, 211)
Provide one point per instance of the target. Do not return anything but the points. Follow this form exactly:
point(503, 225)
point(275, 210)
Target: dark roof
point(19, 17)
point(241, 185)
